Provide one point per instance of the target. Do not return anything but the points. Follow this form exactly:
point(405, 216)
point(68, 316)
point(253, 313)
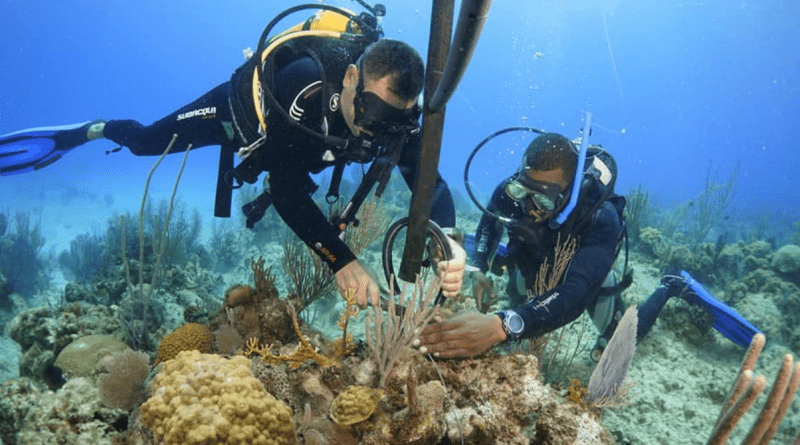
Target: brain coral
point(81, 356)
point(355, 404)
point(189, 337)
point(206, 399)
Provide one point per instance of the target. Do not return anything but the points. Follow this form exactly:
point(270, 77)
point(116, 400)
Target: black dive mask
point(378, 117)
point(537, 197)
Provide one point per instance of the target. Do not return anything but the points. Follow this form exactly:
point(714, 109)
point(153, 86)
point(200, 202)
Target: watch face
point(515, 323)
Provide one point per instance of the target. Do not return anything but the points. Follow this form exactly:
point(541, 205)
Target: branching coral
point(304, 351)
point(390, 340)
point(746, 390)
point(709, 206)
point(263, 279)
point(634, 209)
point(344, 346)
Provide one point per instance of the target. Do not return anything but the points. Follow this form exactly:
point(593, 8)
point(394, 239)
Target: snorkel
point(576, 183)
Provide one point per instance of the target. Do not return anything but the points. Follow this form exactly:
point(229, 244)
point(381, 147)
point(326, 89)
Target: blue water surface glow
point(674, 88)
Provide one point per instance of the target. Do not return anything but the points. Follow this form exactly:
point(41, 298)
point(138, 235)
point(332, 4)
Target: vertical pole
point(432, 129)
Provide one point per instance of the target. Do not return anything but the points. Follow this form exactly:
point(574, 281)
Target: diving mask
point(545, 197)
point(376, 116)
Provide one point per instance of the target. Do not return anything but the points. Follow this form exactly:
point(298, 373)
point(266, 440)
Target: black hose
point(433, 231)
point(472, 155)
point(468, 28)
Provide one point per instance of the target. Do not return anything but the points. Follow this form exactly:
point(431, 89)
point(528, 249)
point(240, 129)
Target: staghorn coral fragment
point(304, 351)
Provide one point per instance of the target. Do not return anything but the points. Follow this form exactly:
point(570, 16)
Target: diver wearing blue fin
point(324, 93)
point(36, 148)
point(559, 257)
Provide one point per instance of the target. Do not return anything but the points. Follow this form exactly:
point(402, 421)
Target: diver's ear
point(350, 76)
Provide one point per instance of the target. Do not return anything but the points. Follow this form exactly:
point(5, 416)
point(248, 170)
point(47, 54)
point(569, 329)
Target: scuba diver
point(326, 93)
point(578, 245)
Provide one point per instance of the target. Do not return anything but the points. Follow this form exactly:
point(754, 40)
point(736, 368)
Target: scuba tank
point(251, 97)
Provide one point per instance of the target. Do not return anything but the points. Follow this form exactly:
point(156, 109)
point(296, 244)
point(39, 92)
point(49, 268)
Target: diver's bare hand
point(451, 273)
point(353, 277)
point(465, 335)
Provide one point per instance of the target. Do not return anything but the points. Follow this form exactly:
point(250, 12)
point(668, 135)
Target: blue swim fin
point(726, 320)
point(36, 148)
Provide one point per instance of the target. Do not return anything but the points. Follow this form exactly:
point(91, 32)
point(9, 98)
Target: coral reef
point(81, 357)
point(787, 260)
point(189, 337)
point(265, 316)
point(71, 415)
point(122, 385)
point(355, 404)
point(43, 333)
point(201, 398)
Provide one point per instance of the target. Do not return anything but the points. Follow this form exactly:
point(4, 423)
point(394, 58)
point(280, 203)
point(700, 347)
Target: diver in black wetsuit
point(385, 81)
point(531, 199)
point(324, 102)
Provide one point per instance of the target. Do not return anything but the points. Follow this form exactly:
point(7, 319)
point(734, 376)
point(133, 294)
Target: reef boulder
point(787, 259)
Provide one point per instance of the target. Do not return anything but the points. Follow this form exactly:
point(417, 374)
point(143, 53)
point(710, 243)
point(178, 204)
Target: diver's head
point(543, 182)
point(380, 90)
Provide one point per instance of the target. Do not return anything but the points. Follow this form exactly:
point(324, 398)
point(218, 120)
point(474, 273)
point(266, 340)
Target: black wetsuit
point(289, 155)
point(530, 244)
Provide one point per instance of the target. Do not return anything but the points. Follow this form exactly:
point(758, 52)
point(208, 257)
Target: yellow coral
point(189, 337)
point(355, 404)
point(345, 346)
point(206, 399)
point(304, 351)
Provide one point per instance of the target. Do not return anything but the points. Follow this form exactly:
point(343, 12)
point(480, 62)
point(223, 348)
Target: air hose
point(434, 233)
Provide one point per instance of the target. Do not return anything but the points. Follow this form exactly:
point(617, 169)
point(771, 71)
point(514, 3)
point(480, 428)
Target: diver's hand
point(465, 335)
point(483, 289)
point(451, 272)
point(353, 277)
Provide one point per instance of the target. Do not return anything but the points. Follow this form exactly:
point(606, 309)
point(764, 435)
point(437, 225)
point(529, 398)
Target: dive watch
point(513, 324)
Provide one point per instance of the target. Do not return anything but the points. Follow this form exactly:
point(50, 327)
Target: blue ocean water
point(676, 90)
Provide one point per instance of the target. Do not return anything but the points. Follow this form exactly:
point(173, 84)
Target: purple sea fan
point(606, 384)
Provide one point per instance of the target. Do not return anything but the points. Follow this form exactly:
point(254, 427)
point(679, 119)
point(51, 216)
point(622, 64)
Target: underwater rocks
point(30, 414)
point(43, 333)
point(493, 399)
point(787, 260)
